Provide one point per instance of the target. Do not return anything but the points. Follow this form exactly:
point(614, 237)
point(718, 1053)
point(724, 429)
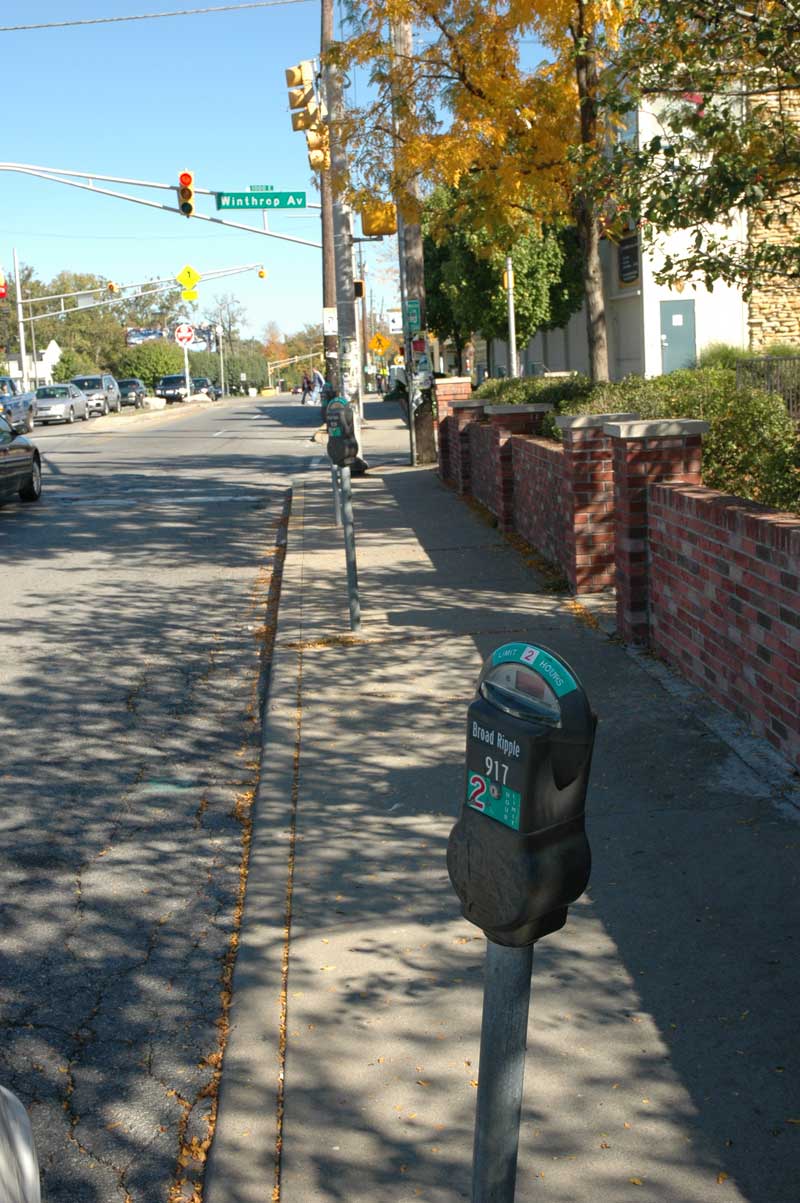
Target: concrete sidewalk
point(662, 1060)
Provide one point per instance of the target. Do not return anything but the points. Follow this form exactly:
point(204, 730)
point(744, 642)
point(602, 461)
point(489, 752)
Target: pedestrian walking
point(306, 397)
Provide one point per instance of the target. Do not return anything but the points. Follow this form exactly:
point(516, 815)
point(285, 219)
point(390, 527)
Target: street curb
point(243, 1162)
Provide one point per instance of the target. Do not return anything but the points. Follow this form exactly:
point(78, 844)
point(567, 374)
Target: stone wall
point(775, 308)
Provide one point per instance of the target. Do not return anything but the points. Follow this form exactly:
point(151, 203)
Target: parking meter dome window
point(518, 690)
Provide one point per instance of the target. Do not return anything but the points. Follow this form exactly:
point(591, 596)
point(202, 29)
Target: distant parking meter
point(342, 441)
point(518, 854)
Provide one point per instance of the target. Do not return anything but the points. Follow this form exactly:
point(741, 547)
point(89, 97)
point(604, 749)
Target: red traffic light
point(186, 193)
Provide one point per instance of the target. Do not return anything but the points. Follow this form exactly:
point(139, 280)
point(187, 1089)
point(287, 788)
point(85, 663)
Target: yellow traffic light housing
point(262, 275)
point(300, 82)
point(310, 117)
point(112, 287)
point(319, 151)
point(378, 217)
point(186, 193)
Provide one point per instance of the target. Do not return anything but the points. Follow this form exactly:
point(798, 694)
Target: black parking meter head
point(518, 853)
point(342, 442)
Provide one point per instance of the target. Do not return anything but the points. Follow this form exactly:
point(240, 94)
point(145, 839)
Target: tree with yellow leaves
point(524, 143)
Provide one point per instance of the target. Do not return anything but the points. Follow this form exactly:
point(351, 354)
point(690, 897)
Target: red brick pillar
point(645, 453)
point(588, 500)
point(506, 420)
point(447, 390)
point(463, 414)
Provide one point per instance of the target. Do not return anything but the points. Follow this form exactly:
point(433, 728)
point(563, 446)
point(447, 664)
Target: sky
point(147, 100)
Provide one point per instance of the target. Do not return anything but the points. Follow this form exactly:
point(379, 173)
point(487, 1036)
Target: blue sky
point(147, 99)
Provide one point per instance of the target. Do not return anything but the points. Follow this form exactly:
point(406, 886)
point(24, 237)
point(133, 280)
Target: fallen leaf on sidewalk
point(721, 1176)
point(325, 968)
point(422, 1082)
point(636, 1182)
point(604, 1144)
point(474, 1083)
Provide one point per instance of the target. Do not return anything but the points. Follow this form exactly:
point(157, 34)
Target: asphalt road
point(135, 600)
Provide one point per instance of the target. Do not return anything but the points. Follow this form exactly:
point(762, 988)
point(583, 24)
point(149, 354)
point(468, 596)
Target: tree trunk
point(594, 299)
point(585, 214)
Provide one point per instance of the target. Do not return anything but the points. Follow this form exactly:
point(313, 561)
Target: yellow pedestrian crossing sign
point(188, 277)
point(379, 343)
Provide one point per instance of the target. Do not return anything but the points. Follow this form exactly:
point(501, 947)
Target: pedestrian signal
point(378, 217)
point(186, 193)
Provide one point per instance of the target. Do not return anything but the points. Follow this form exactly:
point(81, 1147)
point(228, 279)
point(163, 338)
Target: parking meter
point(518, 854)
point(342, 441)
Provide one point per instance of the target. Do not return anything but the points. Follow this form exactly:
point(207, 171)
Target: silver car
point(102, 392)
point(60, 403)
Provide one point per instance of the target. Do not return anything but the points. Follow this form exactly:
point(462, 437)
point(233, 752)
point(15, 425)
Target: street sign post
point(184, 335)
point(260, 200)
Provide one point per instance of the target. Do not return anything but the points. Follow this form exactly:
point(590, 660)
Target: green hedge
point(751, 449)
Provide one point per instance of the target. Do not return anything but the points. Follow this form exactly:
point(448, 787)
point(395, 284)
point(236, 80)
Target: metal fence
point(776, 374)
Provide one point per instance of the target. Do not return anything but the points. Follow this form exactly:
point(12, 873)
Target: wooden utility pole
point(409, 246)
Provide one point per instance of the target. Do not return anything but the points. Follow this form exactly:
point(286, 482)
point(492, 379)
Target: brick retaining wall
point(724, 603)
point(539, 507)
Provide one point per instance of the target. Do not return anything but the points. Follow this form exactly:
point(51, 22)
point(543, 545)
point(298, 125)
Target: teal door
point(678, 347)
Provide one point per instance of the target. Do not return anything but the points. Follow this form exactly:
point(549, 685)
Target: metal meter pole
point(23, 350)
point(221, 362)
point(350, 550)
point(186, 370)
point(504, 1041)
point(337, 498)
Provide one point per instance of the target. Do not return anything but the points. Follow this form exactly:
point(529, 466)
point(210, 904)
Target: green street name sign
point(261, 200)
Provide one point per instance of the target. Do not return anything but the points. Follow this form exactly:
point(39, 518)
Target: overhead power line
point(181, 12)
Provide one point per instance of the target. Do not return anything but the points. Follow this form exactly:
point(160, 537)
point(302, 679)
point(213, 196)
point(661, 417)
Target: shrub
point(751, 448)
point(722, 355)
point(780, 351)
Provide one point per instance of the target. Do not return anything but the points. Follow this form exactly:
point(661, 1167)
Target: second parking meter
point(518, 854)
point(342, 441)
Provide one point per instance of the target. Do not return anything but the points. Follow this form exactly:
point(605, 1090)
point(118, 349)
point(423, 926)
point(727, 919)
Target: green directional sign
point(261, 200)
point(414, 316)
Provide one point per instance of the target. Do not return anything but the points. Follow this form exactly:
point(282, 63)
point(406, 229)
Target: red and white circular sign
point(184, 334)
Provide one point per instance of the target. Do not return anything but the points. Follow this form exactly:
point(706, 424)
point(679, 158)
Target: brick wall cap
point(466, 404)
point(581, 421)
point(540, 407)
point(445, 380)
point(662, 428)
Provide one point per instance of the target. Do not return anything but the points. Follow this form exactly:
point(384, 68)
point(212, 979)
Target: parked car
point(132, 391)
point(20, 465)
point(60, 403)
point(202, 384)
point(102, 392)
point(172, 388)
point(18, 407)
